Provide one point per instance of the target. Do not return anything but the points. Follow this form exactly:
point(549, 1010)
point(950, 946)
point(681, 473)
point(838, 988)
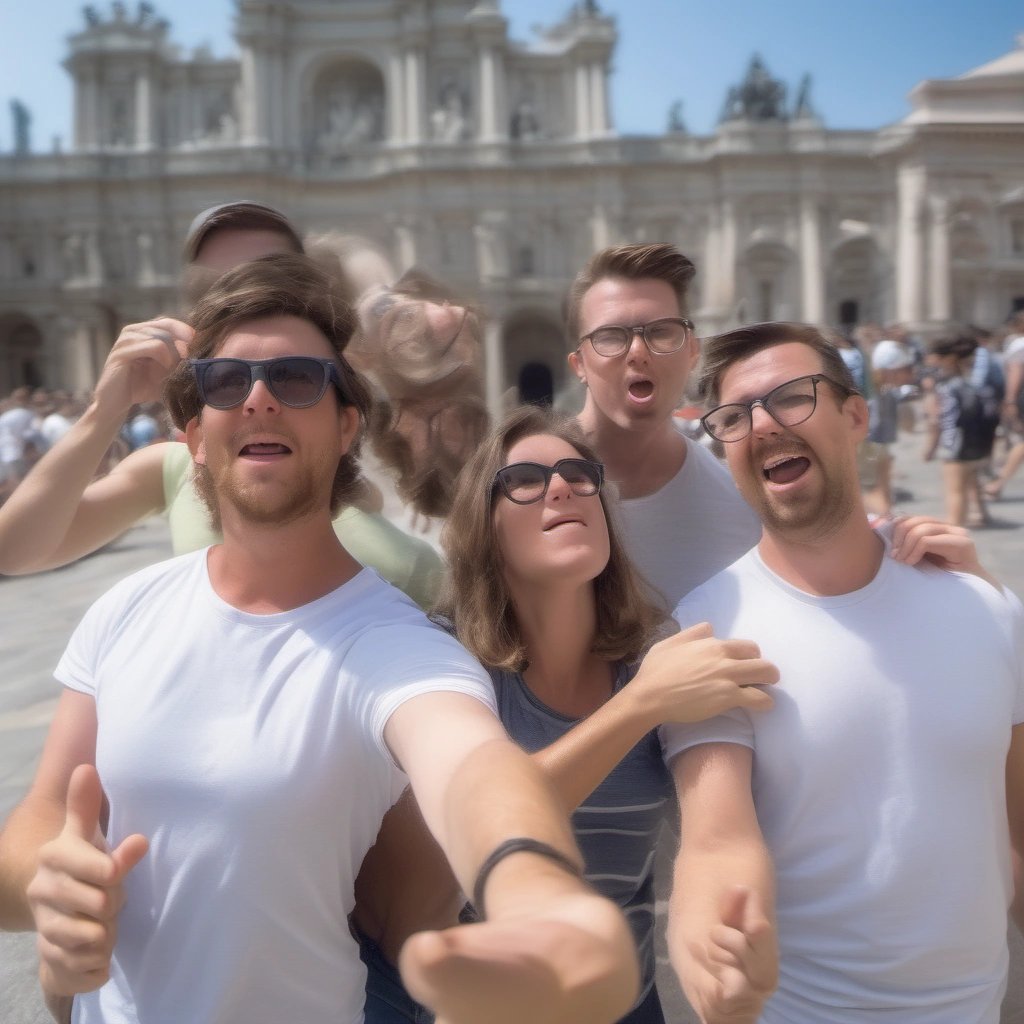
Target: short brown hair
point(240, 215)
point(636, 261)
point(723, 350)
point(282, 284)
point(476, 598)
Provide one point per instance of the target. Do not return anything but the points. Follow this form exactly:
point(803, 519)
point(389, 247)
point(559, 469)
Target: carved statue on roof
point(22, 124)
point(803, 110)
point(676, 124)
point(759, 97)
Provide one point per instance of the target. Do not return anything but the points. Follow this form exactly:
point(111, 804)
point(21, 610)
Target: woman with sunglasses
point(542, 593)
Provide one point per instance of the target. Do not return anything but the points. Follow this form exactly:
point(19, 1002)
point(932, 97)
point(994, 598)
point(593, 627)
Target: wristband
point(519, 844)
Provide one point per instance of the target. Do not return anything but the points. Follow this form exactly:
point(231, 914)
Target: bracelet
point(519, 844)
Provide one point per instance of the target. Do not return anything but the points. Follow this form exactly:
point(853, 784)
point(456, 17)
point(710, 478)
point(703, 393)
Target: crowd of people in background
point(308, 394)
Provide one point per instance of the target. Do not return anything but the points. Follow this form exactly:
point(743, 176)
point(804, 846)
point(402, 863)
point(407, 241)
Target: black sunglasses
point(295, 381)
point(527, 482)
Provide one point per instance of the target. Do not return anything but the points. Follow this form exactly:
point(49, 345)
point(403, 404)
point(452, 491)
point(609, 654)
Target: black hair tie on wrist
point(519, 844)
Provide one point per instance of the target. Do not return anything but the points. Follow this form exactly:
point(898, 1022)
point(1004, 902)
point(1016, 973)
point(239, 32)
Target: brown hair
point(476, 598)
point(241, 215)
point(721, 351)
point(961, 345)
point(282, 284)
point(635, 262)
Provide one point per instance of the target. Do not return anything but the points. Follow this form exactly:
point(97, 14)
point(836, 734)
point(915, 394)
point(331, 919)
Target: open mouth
point(641, 390)
point(264, 451)
point(785, 470)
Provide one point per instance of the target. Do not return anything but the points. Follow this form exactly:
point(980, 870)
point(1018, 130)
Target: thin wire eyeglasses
point(662, 337)
point(789, 405)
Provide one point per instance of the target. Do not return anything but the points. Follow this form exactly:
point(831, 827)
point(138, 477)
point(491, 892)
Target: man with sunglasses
point(633, 347)
point(888, 779)
point(251, 710)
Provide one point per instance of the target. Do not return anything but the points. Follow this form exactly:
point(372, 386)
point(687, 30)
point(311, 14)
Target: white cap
point(891, 355)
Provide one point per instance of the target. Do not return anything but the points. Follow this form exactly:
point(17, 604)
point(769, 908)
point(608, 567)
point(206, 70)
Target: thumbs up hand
point(76, 893)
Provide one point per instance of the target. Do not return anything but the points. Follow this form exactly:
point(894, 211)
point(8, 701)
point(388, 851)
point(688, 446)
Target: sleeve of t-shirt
point(78, 665)
point(731, 727)
point(420, 659)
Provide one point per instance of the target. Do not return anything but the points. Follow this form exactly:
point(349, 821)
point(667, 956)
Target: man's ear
point(856, 409)
point(576, 365)
point(195, 441)
point(348, 427)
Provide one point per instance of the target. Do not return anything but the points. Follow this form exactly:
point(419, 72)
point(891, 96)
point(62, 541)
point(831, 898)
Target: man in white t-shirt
point(240, 719)
point(888, 779)
point(633, 348)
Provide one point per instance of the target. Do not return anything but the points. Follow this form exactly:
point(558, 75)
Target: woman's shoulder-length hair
point(476, 598)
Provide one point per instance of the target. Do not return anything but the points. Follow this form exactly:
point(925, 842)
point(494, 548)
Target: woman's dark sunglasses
point(527, 482)
point(295, 381)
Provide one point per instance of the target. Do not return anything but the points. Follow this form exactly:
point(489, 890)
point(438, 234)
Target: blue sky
point(864, 57)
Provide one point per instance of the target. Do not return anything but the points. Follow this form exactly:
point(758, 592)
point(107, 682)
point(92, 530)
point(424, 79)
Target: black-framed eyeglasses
point(527, 482)
point(789, 405)
point(295, 381)
point(662, 337)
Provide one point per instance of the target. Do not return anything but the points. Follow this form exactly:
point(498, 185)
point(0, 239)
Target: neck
point(826, 564)
point(270, 568)
point(558, 626)
point(639, 459)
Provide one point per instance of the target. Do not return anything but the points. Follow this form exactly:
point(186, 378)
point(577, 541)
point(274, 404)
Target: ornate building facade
point(422, 127)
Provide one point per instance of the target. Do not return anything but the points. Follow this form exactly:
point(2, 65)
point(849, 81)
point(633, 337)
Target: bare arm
point(684, 678)
point(931, 407)
point(59, 513)
point(721, 931)
point(551, 949)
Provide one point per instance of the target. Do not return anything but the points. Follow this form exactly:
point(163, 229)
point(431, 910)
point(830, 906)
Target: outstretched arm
point(721, 932)
point(551, 949)
point(1015, 814)
point(687, 677)
point(59, 513)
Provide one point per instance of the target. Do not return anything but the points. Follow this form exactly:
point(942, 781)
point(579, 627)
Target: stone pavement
point(38, 613)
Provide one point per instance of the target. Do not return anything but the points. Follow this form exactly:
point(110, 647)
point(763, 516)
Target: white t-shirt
point(15, 430)
point(879, 783)
point(693, 527)
point(249, 749)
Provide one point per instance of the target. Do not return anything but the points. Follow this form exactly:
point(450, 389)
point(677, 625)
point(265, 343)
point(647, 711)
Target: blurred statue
point(22, 125)
point(449, 119)
point(804, 109)
point(676, 125)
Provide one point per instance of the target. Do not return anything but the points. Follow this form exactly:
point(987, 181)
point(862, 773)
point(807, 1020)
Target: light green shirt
point(410, 564)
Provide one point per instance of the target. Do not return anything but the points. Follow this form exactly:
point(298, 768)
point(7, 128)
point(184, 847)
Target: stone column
point(727, 259)
point(396, 94)
point(910, 186)
point(600, 229)
point(405, 244)
point(89, 137)
point(415, 95)
point(711, 269)
point(812, 270)
point(582, 102)
point(250, 98)
point(488, 95)
point(939, 280)
point(494, 368)
point(143, 110)
point(599, 125)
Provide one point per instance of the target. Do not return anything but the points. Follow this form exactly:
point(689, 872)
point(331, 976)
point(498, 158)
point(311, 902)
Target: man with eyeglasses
point(888, 779)
point(633, 347)
point(251, 711)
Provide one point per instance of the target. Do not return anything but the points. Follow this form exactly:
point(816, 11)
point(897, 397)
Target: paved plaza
point(38, 614)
